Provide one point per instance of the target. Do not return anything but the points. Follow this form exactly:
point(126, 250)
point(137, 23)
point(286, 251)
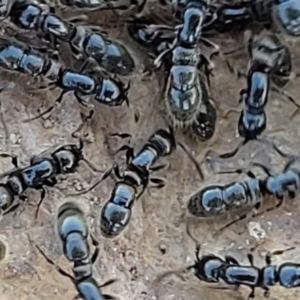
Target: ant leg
point(5, 127)
point(280, 200)
point(217, 52)
point(105, 175)
point(14, 159)
point(123, 135)
point(89, 62)
point(228, 112)
point(261, 166)
point(57, 102)
point(49, 260)
point(108, 282)
point(250, 258)
point(129, 152)
point(252, 294)
point(235, 151)
point(277, 252)
point(267, 291)
point(78, 19)
point(43, 195)
point(85, 122)
point(157, 168)
point(97, 249)
point(285, 94)
point(109, 297)
point(192, 158)
point(242, 217)
point(158, 183)
point(239, 171)
point(231, 260)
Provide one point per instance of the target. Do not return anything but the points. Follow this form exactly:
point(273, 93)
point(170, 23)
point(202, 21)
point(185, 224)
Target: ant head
point(289, 275)
point(112, 92)
point(114, 219)
point(286, 16)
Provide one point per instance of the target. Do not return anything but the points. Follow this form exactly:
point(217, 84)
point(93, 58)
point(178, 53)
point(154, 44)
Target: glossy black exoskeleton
point(284, 14)
point(227, 17)
point(213, 269)
point(185, 92)
point(137, 176)
point(216, 200)
point(73, 233)
point(85, 41)
point(269, 60)
point(17, 57)
point(116, 213)
point(42, 172)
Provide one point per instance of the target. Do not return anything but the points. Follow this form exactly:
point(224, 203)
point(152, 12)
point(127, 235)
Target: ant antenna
point(189, 154)
point(105, 175)
point(126, 90)
point(57, 102)
point(89, 163)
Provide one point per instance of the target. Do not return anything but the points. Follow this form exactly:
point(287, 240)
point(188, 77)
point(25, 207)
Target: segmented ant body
point(41, 173)
point(116, 213)
point(239, 15)
point(18, 57)
point(94, 5)
point(213, 269)
point(73, 232)
point(186, 95)
point(85, 41)
point(216, 200)
point(283, 14)
point(269, 60)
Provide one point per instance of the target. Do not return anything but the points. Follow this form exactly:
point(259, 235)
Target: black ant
point(269, 59)
point(84, 40)
point(116, 213)
point(73, 233)
point(213, 269)
point(42, 172)
point(215, 200)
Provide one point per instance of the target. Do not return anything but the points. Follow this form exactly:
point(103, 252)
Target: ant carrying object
point(18, 57)
point(213, 269)
point(73, 233)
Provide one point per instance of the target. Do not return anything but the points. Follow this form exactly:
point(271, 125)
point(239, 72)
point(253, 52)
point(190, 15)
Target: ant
point(116, 213)
point(73, 233)
point(213, 269)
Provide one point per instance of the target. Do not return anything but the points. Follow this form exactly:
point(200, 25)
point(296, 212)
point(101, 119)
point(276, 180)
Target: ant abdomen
point(114, 219)
point(70, 219)
point(207, 202)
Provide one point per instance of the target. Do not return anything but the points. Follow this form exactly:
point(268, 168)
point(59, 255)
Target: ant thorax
point(145, 158)
point(53, 71)
point(185, 56)
point(67, 160)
